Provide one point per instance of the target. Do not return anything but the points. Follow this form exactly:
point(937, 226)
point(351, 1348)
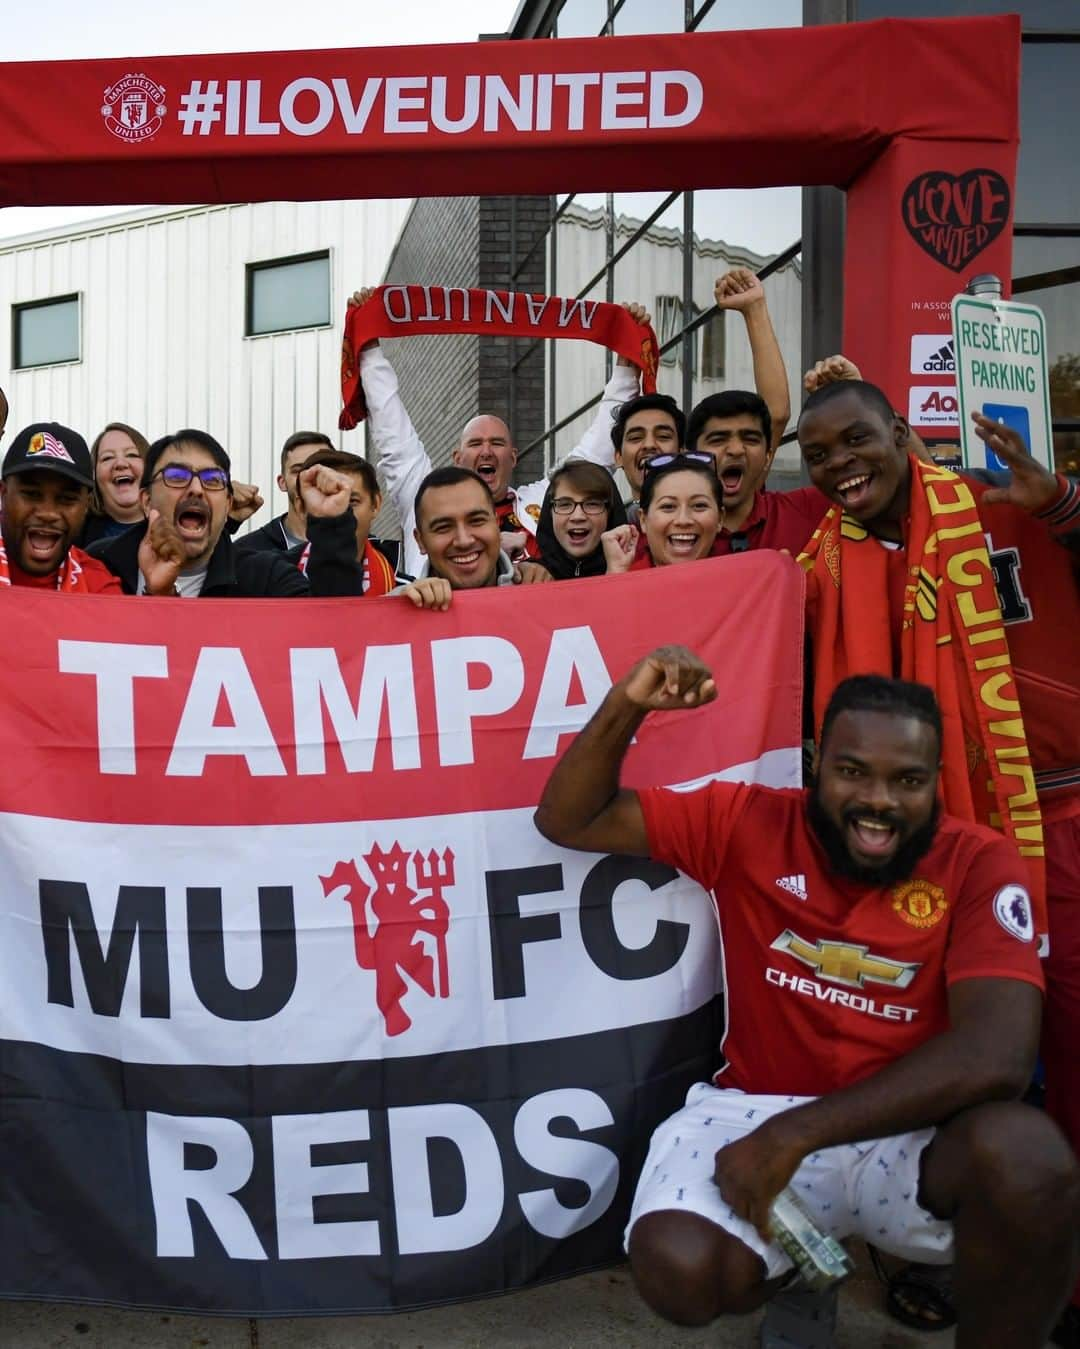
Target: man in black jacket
point(183, 548)
point(289, 530)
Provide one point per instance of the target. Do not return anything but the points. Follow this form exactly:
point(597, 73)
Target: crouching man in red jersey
point(884, 999)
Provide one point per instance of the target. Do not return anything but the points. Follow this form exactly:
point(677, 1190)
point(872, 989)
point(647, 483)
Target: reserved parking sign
point(1001, 371)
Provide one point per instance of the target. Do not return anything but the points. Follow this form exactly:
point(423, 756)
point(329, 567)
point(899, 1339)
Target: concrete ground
point(594, 1309)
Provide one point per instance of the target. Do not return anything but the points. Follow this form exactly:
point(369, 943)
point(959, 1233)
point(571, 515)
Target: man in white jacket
point(486, 446)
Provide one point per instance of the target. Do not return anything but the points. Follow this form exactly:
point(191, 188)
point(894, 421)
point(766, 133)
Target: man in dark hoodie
point(581, 502)
point(183, 548)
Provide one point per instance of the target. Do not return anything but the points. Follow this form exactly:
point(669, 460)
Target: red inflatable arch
point(917, 120)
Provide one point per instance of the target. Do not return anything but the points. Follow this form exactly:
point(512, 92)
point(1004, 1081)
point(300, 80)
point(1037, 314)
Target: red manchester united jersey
point(827, 980)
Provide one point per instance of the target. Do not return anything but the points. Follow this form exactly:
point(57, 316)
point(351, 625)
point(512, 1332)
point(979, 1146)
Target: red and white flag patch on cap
point(46, 444)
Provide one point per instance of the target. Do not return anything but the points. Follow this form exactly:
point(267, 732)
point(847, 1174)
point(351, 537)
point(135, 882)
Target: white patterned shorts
point(858, 1189)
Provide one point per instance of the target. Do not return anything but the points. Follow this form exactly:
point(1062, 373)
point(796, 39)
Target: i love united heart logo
point(954, 216)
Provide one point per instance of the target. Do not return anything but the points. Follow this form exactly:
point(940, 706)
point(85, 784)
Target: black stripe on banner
point(82, 1218)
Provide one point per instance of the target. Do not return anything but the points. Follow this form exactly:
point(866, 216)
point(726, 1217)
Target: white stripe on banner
point(205, 979)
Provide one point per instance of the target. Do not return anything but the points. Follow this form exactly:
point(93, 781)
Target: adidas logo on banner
point(794, 885)
point(931, 356)
point(942, 361)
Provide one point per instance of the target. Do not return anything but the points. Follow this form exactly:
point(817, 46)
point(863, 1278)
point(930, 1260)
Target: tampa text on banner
point(299, 1012)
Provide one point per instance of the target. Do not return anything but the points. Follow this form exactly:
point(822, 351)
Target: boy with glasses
point(581, 503)
point(184, 550)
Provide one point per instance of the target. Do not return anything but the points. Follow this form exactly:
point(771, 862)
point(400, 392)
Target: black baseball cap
point(52, 448)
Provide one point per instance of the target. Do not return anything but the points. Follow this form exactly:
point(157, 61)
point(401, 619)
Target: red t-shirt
point(776, 520)
point(99, 579)
point(827, 981)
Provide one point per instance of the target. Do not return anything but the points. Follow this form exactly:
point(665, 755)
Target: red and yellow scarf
point(379, 578)
point(952, 638)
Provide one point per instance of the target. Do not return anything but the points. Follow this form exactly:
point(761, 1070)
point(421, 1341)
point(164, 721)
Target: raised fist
point(161, 555)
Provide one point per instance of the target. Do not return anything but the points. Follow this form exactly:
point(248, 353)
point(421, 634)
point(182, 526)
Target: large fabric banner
point(298, 1012)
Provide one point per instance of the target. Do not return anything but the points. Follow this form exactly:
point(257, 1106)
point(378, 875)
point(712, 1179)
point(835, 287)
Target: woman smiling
point(681, 513)
point(117, 455)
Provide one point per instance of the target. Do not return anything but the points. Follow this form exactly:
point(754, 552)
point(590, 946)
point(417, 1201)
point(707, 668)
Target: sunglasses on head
point(659, 461)
point(179, 475)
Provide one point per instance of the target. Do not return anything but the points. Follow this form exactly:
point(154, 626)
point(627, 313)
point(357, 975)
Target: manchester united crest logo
point(919, 903)
point(134, 108)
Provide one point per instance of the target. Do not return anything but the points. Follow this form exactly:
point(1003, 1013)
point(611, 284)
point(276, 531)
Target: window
point(713, 348)
point(668, 324)
point(45, 332)
point(288, 293)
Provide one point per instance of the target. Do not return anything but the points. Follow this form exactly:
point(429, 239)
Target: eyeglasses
point(567, 506)
point(179, 475)
point(659, 461)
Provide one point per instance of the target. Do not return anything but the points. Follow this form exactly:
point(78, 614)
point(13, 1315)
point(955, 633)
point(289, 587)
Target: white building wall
point(162, 315)
point(651, 268)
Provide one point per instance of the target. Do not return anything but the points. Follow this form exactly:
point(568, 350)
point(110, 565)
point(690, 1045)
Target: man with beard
point(883, 994)
point(45, 493)
point(183, 548)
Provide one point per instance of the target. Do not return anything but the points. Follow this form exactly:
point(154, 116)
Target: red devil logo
point(407, 921)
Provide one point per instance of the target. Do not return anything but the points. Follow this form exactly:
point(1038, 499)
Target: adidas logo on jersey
point(794, 885)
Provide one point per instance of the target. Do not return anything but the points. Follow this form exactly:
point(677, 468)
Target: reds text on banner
point(300, 1013)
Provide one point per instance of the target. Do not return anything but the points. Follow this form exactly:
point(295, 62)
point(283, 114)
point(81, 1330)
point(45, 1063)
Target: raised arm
point(1050, 497)
point(333, 567)
point(403, 461)
point(741, 290)
point(583, 805)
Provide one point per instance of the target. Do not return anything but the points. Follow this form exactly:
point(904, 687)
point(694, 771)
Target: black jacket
point(332, 567)
point(271, 538)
